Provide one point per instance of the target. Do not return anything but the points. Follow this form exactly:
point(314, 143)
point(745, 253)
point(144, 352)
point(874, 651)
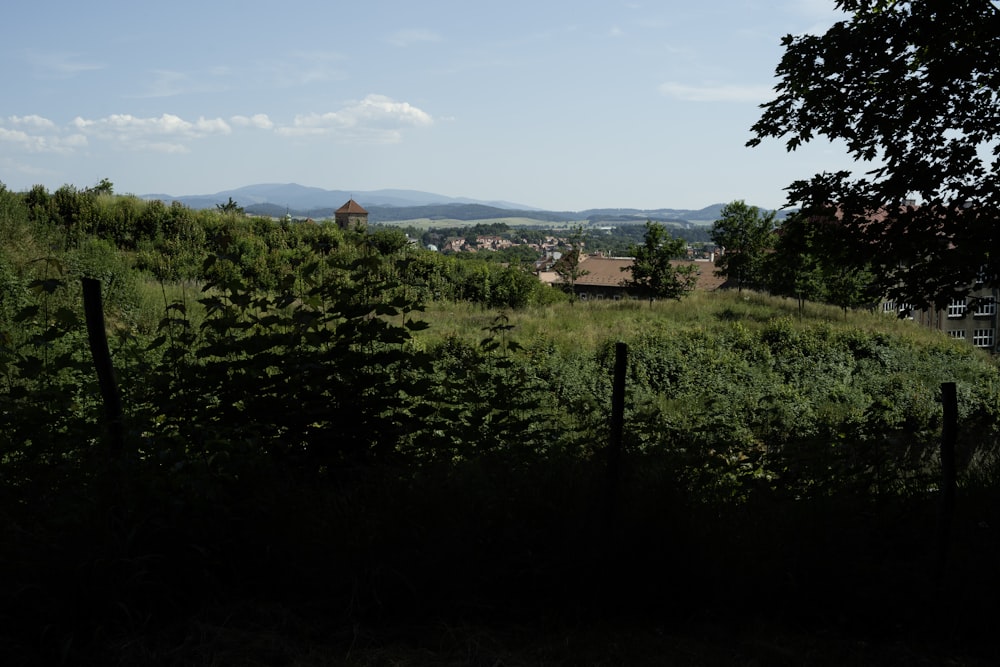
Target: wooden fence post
point(93, 307)
point(615, 441)
point(949, 473)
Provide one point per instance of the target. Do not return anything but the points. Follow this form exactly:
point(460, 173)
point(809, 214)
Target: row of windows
point(980, 337)
point(956, 308)
point(901, 309)
point(984, 307)
point(978, 307)
point(584, 296)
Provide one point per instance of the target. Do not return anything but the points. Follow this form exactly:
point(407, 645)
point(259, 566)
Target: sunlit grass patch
point(587, 324)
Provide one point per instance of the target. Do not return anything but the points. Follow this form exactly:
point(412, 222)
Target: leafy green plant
point(336, 423)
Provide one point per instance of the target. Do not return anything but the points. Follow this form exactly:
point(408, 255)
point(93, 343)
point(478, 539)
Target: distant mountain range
point(386, 206)
point(301, 197)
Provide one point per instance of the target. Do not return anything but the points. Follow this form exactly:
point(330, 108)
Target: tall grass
point(588, 324)
point(153, 297)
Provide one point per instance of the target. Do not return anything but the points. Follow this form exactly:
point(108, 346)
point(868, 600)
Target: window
point(985, 306)
point(956, 308)
point(889, 307)
point(982, 338)
point(957, 333)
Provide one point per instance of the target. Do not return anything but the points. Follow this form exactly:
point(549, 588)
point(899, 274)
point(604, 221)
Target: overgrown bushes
point(292, 435)
point(323, 370)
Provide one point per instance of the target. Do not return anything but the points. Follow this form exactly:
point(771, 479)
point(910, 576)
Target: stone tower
point(351, 216)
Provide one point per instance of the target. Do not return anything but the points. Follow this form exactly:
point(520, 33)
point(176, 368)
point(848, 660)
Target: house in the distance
point(971, 318)
point(603, 277)
point(351, 216)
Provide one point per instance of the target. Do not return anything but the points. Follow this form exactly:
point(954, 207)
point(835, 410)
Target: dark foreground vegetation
point(324, 461)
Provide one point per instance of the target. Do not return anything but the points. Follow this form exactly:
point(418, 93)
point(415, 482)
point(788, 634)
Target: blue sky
point(558, 104)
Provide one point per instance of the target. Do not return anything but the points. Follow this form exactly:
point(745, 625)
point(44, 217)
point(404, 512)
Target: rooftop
point(351, 207)
point(610, 271)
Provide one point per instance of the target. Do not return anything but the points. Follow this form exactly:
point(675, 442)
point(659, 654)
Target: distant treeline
point(126, 242)
point(474, 212)
point(389, 214)
point(616, 240)
point(460, 212)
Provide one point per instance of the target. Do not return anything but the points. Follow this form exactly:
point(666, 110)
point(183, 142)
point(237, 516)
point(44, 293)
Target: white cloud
point(303, 126)
point(35, 143)
point(167, 133)
point(204, 126)
point(32, 120)
point(717, 92)
point(166, 147)
point(127, 128)
point(382, 109)
point(28, 170)
point(261, 121)
point(376, 119)
point(16, 137)
point(409, 37)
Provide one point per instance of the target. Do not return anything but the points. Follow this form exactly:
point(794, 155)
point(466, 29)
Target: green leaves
point(815, 259)
point(911, 90)
point(46, 285)
point(66, 317)
point(27, 313)
point(744, 234)
point(652, 270)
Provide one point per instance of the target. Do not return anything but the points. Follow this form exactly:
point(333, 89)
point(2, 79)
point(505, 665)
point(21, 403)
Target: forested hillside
point(369, 436)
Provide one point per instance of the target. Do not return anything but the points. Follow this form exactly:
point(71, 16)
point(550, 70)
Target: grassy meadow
point(585, 325)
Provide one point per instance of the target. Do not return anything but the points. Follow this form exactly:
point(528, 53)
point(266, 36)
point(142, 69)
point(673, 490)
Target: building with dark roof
point(351, 216)
point(604, 277)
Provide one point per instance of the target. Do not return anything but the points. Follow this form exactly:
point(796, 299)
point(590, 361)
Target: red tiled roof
point(607, 272)
point(351, 207)
point(604, 271)
point(707, 280)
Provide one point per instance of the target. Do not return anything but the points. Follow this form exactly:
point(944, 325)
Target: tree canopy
point(229, 207)
point(911, 89)
point(652, 270)
point(745, 233)
point(568, 266)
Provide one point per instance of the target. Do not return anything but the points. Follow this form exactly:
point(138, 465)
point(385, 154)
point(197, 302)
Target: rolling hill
point(396, 206)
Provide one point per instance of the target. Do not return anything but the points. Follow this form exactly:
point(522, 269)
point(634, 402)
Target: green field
point(585, 325)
